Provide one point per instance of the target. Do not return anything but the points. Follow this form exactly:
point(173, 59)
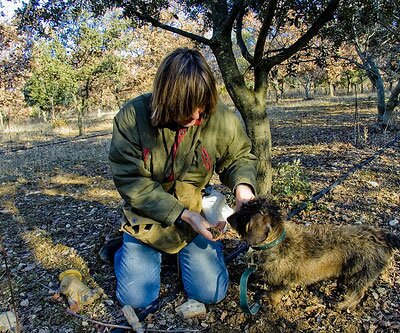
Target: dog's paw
point(275, 297)
point(351, 300)
point(342, 306)
point(349, 303)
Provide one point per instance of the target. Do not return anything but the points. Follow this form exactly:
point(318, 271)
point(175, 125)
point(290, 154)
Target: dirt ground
point(58, 206)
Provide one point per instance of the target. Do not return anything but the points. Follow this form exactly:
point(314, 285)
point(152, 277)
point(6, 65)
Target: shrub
point(57, 123)
point(289, 182)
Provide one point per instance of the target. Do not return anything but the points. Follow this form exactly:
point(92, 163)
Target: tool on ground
point(132, 319)
point(77, 292)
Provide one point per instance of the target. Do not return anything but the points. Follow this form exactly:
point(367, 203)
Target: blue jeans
point(138, 267)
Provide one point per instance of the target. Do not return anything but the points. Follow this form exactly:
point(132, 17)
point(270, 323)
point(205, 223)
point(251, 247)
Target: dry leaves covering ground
point(58, 206)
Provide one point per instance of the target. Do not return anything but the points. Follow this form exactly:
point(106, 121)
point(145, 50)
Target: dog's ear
point(232, 220)
point(238, 222)
point(276, 212)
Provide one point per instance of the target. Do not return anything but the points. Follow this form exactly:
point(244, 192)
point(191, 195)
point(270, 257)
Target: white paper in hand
point(215, 208)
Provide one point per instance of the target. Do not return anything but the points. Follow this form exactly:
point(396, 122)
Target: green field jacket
point(139, 152)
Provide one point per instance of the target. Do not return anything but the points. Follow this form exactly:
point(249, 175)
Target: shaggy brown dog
point(290, 254)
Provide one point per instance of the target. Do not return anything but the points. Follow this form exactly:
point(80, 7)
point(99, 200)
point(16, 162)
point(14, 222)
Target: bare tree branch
point(324, 17)
point(262, 36)
point(239, 38)
point(167, 27)
point(236, 9)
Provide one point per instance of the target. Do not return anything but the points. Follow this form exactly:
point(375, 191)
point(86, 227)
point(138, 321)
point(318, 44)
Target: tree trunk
point(391, 104)
point(276, 94)
point(84, 94)
point(375, 77)
point(80, 107)
point(252, 107)
point(307, 89)
point(348, 87)
point(80, 121)
point(259, 131)
point(52, 111)
point(45, 115)
point(281, 89)
point(331, 89)
point(1, 122)
point(380, 93)
point(357, 136)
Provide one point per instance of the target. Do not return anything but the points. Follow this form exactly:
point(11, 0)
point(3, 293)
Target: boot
point(107, 251)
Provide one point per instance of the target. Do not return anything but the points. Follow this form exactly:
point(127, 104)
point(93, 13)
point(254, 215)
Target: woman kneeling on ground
point(165, 148)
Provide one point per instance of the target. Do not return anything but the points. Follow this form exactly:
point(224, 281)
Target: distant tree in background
point(76, 63)
point(88, 61)
point(372, 28)
point(51, 85)
point(337, 65)
point(13, 69)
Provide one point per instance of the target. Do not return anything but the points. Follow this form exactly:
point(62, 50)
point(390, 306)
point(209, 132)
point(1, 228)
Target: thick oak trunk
point(252, 107)
point(260, 132)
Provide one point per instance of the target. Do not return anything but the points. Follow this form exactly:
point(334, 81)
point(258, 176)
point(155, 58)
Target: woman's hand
point(198, 223)
point(243, 194)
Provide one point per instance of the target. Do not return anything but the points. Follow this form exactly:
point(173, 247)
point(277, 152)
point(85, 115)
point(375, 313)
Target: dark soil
point(58, 206)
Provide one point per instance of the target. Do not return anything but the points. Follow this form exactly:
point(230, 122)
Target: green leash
point(244, 304)
point(253, 309)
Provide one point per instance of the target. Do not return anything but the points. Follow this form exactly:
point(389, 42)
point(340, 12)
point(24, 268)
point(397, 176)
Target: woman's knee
point(204, 273)
point(137, 270)
point(210, 293)
point(136, 296)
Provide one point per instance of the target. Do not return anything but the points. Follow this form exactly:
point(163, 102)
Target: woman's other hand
point(243, 194)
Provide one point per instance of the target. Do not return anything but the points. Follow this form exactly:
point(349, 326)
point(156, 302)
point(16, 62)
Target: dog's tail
point(392, 240)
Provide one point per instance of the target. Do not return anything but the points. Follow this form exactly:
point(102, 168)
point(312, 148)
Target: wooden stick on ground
point(97, 322)
point(132, 318)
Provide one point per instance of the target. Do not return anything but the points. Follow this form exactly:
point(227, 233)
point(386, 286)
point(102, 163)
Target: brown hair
point(183, 82)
